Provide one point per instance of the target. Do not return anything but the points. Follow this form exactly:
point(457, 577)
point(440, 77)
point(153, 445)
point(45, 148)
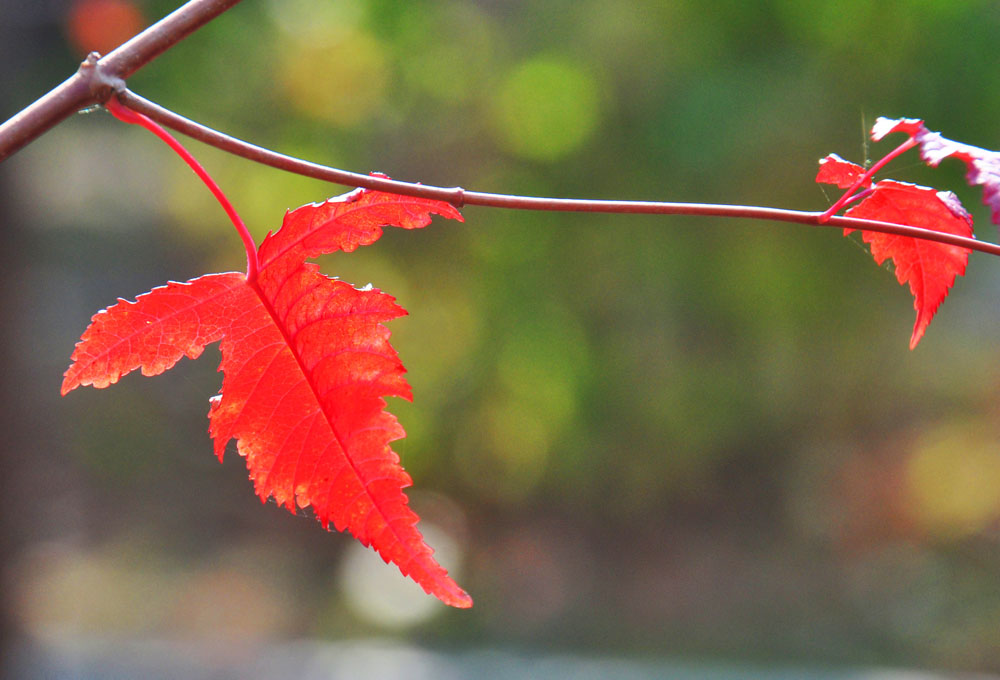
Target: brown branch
point(460, 197)
point(99, 76)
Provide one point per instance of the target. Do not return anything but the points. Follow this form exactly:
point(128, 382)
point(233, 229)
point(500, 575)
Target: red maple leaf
point(307, 365)
point(982, 166)
point(928, 267)
point(835, 170)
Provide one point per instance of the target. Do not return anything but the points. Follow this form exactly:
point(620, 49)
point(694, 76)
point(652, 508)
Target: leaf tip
point(886, 126)
point(462, 600)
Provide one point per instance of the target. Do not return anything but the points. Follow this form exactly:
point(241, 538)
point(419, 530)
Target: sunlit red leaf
point(307, 365)
point(928, 267)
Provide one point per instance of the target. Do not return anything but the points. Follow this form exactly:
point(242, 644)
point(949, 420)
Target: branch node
point(458, 197)
point(102, 85)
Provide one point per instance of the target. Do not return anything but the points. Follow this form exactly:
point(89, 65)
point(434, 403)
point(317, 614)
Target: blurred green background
point(632, 437)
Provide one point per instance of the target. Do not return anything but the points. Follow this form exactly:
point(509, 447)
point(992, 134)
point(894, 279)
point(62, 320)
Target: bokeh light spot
point(379, 594)
point(102, 25)
point(953, 480)
point(342, 84)
point(546, 108)
point(316, 23)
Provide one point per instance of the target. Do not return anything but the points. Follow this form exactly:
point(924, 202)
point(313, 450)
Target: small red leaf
point(307, 365)
point(982, 166)
point(835, 170)
point(928, 267)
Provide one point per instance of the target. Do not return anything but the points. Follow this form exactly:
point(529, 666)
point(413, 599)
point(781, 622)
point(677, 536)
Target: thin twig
point(98, 76)
point(459, 197)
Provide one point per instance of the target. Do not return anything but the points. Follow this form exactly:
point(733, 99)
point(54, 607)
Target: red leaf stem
point(126, 115)
point(865, 179)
